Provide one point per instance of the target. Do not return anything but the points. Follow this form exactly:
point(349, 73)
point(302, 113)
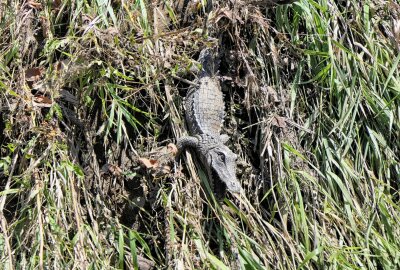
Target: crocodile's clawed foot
point(184, 142)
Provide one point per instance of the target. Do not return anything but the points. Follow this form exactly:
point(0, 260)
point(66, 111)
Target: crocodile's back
point(205, 107)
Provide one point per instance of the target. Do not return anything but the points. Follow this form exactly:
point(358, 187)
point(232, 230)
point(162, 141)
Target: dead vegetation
point(91, 105)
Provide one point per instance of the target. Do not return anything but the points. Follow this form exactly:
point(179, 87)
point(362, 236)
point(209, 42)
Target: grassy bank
point(91, 106)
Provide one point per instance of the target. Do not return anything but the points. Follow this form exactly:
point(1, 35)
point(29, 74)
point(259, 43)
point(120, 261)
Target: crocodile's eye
point(221, 157)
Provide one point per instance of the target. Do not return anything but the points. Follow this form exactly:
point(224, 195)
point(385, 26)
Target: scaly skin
point(204, 110)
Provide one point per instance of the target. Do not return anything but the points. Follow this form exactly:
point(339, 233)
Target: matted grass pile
point(91, 103)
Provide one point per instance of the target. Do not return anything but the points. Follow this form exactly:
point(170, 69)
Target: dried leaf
point(279, 121)
point(42, 101)
point(34, 5)
point(33, 74)
point(229, 14)
point(148, 163)
point(272, 94)
point(115, 170)
point(111, 168)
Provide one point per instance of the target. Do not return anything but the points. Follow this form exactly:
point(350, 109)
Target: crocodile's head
point(221, 165)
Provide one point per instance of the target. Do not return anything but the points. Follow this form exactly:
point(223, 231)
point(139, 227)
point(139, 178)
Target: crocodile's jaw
point(221, 163)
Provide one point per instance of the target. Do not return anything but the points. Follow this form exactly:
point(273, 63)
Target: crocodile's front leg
point(186, 141)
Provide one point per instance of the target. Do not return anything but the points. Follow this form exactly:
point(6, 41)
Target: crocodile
point(204, 113)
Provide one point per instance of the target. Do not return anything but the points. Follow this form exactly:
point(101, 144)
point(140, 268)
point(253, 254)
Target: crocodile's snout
point(222, 162)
